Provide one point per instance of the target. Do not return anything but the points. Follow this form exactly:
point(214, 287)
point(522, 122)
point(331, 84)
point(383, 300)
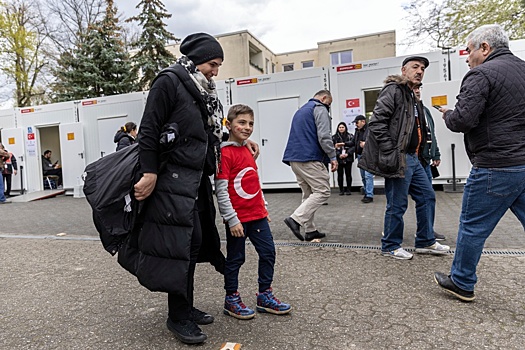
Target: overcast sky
point(285, 25)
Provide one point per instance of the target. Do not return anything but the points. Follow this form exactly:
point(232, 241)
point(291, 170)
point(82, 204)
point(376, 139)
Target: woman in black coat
point(178, 217)
point(126, 135)
point(344, 149)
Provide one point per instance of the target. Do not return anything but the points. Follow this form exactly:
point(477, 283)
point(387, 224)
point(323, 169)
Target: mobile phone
point(436, 106)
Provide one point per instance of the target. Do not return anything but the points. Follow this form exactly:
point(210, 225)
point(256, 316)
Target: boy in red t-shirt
point(243, 209)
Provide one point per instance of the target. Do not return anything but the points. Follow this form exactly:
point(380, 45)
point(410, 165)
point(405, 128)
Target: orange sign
point(350, 67)
point(70, 136)
point(11, 140)
point(247, 81)
point(439, 100)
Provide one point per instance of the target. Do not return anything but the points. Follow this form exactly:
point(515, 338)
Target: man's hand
point(362, 144)
point(342, 156)
point(436, 162)
point(333, 165)
point(145, 186)
point(254, 148)
point(15, 171)
point(237, 231)
point(339, 144)
point(443, 110)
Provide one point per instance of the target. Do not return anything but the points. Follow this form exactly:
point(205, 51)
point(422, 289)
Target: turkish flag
point(354, 102)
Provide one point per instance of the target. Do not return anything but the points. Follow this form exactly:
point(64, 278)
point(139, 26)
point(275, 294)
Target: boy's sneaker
point(436, 249)
point(234, 306)
point(398, 253)
point(267, 302)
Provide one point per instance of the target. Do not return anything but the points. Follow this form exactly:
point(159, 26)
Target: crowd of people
point(176, 228)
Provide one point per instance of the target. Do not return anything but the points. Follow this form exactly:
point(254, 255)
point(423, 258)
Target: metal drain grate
point(495, 252)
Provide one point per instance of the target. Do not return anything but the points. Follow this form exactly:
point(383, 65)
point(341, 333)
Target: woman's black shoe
point(200, 317)
point(186, 331)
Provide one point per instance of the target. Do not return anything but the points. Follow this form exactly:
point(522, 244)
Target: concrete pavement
point(66, 292)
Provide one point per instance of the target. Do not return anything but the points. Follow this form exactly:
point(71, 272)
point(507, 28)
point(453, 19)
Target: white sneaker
point(436, 249)
point(399, 253)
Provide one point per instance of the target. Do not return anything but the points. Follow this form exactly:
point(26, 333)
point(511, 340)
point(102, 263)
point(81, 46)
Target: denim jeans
point(397, 190)
point(368, 181)
point(488, 193)
point(261, 237)
point(431, 208)
point(2, 196)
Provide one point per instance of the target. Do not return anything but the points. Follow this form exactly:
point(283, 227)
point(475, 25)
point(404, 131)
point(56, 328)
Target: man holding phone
point(489, 111)
point(49, 168)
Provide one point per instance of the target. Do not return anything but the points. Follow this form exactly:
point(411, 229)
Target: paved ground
point(68, 293)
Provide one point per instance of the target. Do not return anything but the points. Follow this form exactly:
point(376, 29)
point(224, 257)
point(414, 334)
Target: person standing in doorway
point(308, 151)
point(344, 149)
point(361, 133)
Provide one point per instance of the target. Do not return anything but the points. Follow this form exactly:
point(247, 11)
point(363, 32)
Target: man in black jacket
point(394, 148)
point(490, 111)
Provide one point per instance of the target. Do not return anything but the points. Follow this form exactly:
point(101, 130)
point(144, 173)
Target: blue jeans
point(368, 181)
point(2, 196)
point(397, 190)
point(488, 193)
point(261, 237)
point(431, 208)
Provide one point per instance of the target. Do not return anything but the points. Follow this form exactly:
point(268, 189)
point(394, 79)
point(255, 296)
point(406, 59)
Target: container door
point(107, 128)
point(275, 118)
point(72, 149)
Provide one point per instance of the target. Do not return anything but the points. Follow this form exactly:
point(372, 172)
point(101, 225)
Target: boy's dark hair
point(235, 110)
point(47, 151)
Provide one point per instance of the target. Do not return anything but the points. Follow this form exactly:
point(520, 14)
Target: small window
point(273, 67)
point(267, 65)
point(308, 64)
point(288, 67)
point(342, 57)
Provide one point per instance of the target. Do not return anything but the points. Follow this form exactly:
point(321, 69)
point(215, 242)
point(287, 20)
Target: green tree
point(22, 42)
point(447, 23)
point(99, 66)
point(152, 55)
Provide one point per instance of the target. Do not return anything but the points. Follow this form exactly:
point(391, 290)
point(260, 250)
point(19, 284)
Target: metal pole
point(453, 146)
point(22, 180)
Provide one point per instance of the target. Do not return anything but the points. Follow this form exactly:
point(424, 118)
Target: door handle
point(102, 154)
point(81, 154)
point(263, 141)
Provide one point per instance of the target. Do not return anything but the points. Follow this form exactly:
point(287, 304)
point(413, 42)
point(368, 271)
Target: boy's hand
point(237, 231)
point(268, 218)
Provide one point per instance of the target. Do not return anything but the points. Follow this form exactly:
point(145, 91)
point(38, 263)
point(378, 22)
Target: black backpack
point(108, 186)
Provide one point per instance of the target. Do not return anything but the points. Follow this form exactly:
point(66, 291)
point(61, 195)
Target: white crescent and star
point(237, 184)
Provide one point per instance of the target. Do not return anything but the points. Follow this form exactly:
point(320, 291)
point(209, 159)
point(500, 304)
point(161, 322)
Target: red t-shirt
point(239, 168)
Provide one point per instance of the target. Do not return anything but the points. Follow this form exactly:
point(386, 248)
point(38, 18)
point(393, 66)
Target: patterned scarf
point(208, 92)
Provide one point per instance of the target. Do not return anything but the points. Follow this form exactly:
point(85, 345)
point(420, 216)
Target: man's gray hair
point(322, 93)
point(493, 34)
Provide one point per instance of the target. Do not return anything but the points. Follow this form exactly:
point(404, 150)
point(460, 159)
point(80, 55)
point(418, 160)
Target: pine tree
point(99, 65)
point(152, 55)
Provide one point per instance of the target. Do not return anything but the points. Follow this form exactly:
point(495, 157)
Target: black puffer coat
point(123, 139)
point(390, 129)
point(491, 111)
point(158, 251)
